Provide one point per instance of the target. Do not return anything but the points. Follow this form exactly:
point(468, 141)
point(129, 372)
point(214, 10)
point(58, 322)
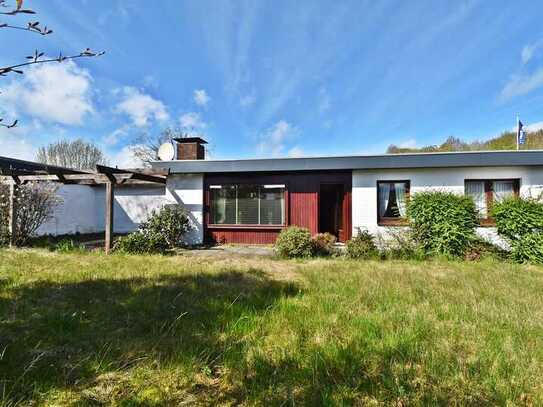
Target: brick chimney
point(190, 148)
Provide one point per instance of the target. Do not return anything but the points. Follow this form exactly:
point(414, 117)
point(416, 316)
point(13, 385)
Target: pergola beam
point(16, 172)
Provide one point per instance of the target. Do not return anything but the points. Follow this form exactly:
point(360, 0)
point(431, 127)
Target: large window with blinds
point(246, 204)
point(485, 192)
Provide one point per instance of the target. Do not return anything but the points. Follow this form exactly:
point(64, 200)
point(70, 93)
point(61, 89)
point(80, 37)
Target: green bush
point(162, 232)
point(294, 242)
point(142, 243)
point(443, 223)
point(323, 244)
point(528, 249)
point(171, 223)
point(361, 246)
point(518, 217)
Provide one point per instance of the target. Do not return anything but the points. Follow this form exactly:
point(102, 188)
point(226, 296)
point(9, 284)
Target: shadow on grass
point(57, 336)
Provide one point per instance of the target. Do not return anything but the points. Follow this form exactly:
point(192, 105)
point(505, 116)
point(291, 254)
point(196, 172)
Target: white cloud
point(533, 127)
point(521, 85)
point(58, 93)
point(528, 51)
point(296, 152)
point(16, 144)
point(192, 122)
point(272, 141)
point(140, 107)
point(116, 135)
point(529, 127)
point(247, 101)
point(201, 98)
point(411, 143)
point(125, 158)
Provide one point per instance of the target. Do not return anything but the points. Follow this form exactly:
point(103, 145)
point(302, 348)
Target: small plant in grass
point(481, 249)
point(323, 244)
point(162, 232)
point(443, 223)
point(69, 246)
point(398, 244)
point(294, 242)
point(362, 246)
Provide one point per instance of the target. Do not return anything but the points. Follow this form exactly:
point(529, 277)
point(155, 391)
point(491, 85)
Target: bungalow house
point(250, 201)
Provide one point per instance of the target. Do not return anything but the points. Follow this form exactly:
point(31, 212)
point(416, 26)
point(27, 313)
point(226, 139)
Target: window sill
point(487, 223)
point(392, 222)
point(267, 227)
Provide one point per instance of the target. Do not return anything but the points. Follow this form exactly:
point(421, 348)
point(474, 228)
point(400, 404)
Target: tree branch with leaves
point(37, 57)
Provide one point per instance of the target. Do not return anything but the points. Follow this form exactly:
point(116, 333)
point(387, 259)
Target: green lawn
point(78, 329)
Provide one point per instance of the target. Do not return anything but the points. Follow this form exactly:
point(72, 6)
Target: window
point(485, 192)
point(247, 204)
point(391, 202)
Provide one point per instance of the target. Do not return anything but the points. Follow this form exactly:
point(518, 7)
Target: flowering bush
point(35, 203)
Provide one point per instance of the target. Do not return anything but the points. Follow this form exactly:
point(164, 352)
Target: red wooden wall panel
point(302, 203)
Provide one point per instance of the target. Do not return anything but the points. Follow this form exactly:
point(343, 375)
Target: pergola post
point(12, 225)
point(110, 200)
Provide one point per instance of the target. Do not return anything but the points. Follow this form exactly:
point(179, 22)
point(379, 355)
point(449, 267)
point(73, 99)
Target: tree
point(37, 202)
point(78, 154)
point(147, 145)
point(37, 57)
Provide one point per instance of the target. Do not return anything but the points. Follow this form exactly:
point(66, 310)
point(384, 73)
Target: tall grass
point(88, 329)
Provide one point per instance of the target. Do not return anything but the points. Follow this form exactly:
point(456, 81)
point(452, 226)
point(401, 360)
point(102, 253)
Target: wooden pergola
point(17, 172)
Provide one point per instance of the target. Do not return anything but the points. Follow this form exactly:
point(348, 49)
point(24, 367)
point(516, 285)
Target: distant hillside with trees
point(506, 141)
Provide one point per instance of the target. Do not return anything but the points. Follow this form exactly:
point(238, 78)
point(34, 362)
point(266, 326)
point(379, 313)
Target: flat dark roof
point(367, 162)
point(190, 140)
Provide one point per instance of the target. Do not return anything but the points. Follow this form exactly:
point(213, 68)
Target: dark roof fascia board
point(374, 162)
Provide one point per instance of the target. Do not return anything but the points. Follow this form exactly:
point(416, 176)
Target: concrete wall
point(83, 207)
point(450, 179)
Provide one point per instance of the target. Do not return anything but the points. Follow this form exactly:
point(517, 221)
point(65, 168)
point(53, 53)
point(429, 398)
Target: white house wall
point(83, 207)
point(76, 213)
point(188, 190)
point(364, 194)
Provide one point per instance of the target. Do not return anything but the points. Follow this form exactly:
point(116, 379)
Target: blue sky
point(281, 78)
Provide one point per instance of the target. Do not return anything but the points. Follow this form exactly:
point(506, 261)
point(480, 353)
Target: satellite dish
point(166, 152)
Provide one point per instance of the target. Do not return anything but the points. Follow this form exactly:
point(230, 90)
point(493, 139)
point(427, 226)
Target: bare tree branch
point(34, 27)
point(35, 60)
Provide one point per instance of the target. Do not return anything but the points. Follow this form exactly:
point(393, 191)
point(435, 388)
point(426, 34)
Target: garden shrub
point(36, 203)
point(323, 244)
point(141, 242)
point(528, 249)
point(362, 246)
point(162, 232)
point(443, 223)
point(294, 242)
point(518, 217)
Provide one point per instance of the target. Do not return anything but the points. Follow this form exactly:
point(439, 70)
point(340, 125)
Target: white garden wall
point(364, 197)
point(83, 207)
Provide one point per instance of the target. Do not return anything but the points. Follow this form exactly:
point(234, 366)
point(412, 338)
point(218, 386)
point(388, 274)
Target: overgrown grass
point(90, 329)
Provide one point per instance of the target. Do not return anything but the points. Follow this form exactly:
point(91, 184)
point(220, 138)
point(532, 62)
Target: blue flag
point(521, 134)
